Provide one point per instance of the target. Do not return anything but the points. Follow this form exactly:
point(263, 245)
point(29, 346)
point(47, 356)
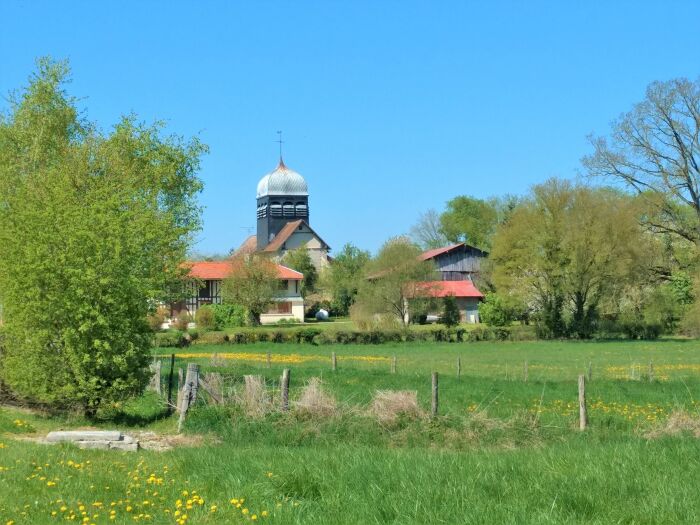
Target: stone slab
point(84, 435)
point(129, 439)
point(101, 445)
point(127, 447)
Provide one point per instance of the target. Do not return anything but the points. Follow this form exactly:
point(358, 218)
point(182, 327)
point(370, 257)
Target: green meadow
point(504, 448)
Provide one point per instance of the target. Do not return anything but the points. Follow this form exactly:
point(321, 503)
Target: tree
point(393, 280)
point(567, 251)
point(253, 284)
point(654, 151)
point(471, 220)
point(300, 261)
point(427, 232)
point(450, 311)
point(343, 277)
point(500, 310)
point(93, 230)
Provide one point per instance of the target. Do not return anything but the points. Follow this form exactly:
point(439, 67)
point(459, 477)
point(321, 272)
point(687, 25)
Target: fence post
point(189, 394)
point(525, 372)
point(434, 405)
point(334, 362)
point(155, 377)
point(269, 360)
point(393, 365)
point(180, 387)
point(651, 371)
point(170, 383)
point(285, 390)
point(582, 415)
point(459, 367)
point(590, 371)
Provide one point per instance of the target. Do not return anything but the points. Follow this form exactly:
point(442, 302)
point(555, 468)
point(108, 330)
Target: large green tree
point(93, 229)
point(342, 278)
point(569, 251)
point(300, 260)
point(252, 284)
point(392, 285)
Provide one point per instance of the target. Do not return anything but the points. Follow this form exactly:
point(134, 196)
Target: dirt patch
point(678, 422)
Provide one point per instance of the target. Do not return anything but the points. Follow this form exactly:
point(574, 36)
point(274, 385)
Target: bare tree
point(427, 232)
point(655, 151)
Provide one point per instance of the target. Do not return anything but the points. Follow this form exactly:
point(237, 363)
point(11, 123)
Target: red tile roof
point(438, 251)
point(215, 270)
point(250, 245)
point(445, 288)
point(286, 232)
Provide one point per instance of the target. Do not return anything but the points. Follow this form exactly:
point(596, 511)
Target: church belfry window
point(301, 210)
point(275, 209)
point(288, 208)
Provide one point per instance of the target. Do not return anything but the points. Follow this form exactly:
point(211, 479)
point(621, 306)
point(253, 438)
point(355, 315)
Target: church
point(282, 225)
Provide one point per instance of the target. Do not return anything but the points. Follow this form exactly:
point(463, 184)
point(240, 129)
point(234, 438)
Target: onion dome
point(282, 181)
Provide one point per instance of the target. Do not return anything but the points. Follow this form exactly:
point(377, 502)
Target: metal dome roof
point(282, 181)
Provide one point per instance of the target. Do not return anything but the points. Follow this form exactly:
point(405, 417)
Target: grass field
point(502, 451)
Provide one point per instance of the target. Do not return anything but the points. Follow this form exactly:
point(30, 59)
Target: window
point(275, 209)
point(288, 209)
point(283, 285)
point(281, 308)
point(301, 211)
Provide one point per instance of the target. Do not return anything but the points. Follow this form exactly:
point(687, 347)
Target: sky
point(388, 108)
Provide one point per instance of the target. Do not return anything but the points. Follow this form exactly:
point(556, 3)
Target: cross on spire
point(280, 141)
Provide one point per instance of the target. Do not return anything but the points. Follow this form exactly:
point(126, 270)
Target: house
point(466, 294)
point(209, 275)
point(457, 262)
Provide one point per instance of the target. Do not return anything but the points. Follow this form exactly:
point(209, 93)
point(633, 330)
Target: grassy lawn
point(502, 451)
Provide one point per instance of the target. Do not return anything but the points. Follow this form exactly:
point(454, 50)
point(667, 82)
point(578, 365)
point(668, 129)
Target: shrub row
point(317, 336)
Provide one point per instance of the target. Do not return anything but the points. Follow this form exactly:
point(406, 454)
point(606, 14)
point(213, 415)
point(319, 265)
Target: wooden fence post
point(651, 371)
point(393, 365)
point(170, 383)
point(334, 362)
point(269, 360)
point(582, 415)
point(525, 372)
point(180, 387)
point(590, 371)
point(285, 390)
point(189, 394)
point(155, 377)
point(459, 367)
point(434, 405)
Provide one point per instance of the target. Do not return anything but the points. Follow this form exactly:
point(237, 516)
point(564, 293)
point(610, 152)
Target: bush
point(157, 318)
point(450, 312)
point(306, 335)
point(212, 338)
point(182, 321)
point(498, 310)
point(228, 316)
point(204, 318)
point(169, 339)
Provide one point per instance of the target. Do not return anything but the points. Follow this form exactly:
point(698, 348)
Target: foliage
point(450, 311)
point(182, 321)
point(300, 261)
point(343, 277)
point(569, 251)
point(93, 230)
point(500, 310)
point(228, 316)
point(169, 339)
point(471, 220)
point(427, 232)
point(204, 318)
point(654, 150)
point(393, 278)
point(252, 284)
point(157, 318)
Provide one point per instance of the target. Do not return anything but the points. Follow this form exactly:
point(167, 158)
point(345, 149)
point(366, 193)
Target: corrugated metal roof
point(445, 288)
point(282, 181)
point(438, 251)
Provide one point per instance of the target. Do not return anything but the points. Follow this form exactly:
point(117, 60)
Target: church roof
point(217, 270)
point(286, 232)
point(250, 245)
point(282, 181)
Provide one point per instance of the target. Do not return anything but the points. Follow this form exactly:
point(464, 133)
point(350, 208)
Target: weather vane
point(280, 141)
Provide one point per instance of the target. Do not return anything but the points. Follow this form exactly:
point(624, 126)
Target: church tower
point(283, 197)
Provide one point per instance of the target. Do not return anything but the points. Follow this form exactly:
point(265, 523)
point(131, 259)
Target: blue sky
point(388, 108)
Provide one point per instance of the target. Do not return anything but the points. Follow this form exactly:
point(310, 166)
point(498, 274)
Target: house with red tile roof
point(207, 279)
point(465, 293)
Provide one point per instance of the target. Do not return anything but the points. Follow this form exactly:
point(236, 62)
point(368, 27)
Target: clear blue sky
point(387, 108)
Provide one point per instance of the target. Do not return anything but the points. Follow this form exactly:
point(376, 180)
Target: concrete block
point(84, 435)
point(101, 445)
point(129, 439)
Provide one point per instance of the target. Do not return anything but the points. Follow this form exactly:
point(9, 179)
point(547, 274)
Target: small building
point(466, 294)
point(288, 304)
point(458, 262)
